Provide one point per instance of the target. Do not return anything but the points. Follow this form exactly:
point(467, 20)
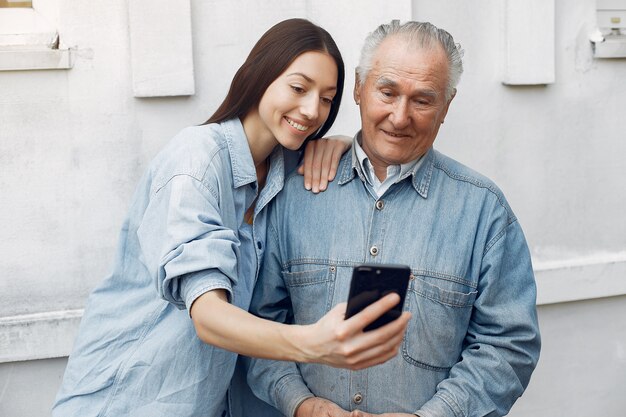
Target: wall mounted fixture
point(609, 39)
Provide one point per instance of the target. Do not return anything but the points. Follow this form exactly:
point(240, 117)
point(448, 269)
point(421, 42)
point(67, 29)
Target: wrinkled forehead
point(396, 48)
point(397, 56)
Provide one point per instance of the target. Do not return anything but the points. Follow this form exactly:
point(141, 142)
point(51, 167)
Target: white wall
point(73, 144)
point(582, 369)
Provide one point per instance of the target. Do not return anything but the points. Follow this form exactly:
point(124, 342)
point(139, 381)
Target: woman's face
point(297, 103)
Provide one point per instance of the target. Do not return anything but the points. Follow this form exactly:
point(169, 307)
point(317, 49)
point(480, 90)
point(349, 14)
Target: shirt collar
point(243, 169)
point(421, 170)
point(395, 173)
point(275, 178)
point(239, 150)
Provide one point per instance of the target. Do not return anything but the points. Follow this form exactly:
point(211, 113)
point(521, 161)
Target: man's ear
point(356, 92)
point(445, 111)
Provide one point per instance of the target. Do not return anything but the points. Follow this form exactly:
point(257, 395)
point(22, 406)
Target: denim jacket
point(473, 339)
point(137, 353)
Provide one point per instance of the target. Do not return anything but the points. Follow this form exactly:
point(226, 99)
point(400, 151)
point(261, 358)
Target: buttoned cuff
point(194, 285)
point(441, 405)
point(291, 391)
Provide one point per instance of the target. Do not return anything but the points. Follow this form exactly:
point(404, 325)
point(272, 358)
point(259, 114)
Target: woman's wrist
point(296, 341)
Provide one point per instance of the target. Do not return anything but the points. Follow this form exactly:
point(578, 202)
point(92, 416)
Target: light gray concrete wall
point(556, 150)
point(73, 144)
point(582, 369)
point(27, 389)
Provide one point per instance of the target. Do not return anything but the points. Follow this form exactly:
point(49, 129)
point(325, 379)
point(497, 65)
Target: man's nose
point(310, 106)
point(399, 115)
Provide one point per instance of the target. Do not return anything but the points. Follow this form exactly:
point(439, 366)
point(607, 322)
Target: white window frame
point(29, 39)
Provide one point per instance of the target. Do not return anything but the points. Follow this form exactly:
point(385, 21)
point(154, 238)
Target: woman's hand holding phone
point(342, 343)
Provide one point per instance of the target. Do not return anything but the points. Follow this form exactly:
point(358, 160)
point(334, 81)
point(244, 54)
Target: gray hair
point(423, 34)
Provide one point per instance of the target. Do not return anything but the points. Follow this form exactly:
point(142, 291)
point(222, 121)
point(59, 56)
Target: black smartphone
point(370, 282)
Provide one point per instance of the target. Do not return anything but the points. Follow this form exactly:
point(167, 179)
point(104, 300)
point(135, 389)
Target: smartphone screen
point(370, 282)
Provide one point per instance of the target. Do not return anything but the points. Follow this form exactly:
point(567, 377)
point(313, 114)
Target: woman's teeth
point(297, 126)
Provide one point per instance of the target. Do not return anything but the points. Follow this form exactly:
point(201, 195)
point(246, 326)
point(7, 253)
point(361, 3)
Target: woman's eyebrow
point(306, 77)
point(309, 79)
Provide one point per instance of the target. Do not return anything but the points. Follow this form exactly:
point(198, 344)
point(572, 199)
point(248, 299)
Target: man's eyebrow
point(385, 82)
point(428, 93)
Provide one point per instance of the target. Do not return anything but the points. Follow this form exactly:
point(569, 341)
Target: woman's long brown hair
point(269, 58)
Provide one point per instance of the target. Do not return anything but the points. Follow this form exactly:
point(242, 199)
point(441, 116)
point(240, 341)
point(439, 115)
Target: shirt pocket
point(439, 322)
point(310, 292)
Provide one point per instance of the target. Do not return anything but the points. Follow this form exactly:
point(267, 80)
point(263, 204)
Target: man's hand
point(342, 343)
point(321, 158)
point(320, 407)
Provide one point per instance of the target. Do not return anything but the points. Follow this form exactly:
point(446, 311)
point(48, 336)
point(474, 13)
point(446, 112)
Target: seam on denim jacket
point(272, 233)
point(445, 277)
point(450, 402)
point(202, 183)
point(447, 303)
point(308, 283)
point(282, 382)
point(120, 373)
point(289, 177)
point(200, 178)
point(203, 179)
point(319, 261)
point(477, 183)
point(197, 293)
point(496, 238)
point(414, 362)
point(493, 189)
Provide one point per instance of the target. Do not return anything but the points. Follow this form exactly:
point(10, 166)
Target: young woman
point(158, 335)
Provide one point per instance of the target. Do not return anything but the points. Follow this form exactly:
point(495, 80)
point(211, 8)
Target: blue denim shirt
point(473, 339)
point(137, 353)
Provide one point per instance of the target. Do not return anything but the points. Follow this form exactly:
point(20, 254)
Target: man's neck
point(380, 171)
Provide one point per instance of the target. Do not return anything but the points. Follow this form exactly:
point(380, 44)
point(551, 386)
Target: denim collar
point(421, 174)
point(275, 178)
point(239, 150)
point(242, 163)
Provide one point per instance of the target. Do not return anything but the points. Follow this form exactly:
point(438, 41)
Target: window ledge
point(38, 336)
point(36, 59)
point(584, 278)
point(42, 59)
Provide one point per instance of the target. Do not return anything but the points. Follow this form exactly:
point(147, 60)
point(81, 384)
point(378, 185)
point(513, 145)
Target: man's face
point(402, 102)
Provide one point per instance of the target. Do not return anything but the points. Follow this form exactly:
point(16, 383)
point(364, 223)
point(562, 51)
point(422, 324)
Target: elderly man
point(473, 340)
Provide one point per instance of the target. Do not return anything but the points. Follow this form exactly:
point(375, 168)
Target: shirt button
point(380, 204)
point(259, 245)
point(358, 398)
point(374, 251)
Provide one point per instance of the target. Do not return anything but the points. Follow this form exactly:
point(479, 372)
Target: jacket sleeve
point(501, 348)
point(184, 243)
point(278, 383)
